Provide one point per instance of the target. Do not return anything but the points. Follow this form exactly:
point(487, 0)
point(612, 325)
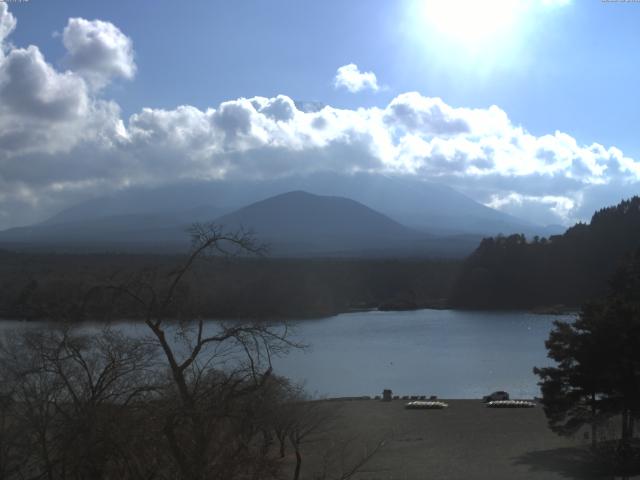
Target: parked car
point(496, 397)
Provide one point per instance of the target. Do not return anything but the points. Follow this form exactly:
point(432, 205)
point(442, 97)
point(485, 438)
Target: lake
point(448, 353)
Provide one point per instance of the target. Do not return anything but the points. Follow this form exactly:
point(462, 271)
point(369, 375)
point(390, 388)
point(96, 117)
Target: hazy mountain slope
point(300, 222)
point(291, 224)
point(429, 207)
point(169, 201)
point(128, 232)
point(102, 228)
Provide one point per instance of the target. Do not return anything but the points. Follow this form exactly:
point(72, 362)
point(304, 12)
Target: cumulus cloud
point(478, 151)
point(350, 77)
point(281, 108)
point(31, 88)
point(414, 112)
point(60, 142)
point(98, 51)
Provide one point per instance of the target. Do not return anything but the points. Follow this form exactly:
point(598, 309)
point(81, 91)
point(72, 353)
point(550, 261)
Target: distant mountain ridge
point(428, 207)
point(428, 219)
point(293, 224)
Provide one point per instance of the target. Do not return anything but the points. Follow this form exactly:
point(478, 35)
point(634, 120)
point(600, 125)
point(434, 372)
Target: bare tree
point(213, 368)
point(345, 458)
point(312, 429)
point(69, 392)
point(308, 418)
point(10, 433)
point(190, 399)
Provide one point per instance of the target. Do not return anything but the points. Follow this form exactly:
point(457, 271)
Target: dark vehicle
point(496, 396)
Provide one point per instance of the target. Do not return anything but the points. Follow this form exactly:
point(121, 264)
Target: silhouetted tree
point(572, 391)
point(598, 362)
point(217, 372)
point(72, 398)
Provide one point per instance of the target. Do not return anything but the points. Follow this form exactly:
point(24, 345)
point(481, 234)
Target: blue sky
point(578, 73)
point(554, 65)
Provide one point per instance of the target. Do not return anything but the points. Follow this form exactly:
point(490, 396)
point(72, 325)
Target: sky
point(528, 106)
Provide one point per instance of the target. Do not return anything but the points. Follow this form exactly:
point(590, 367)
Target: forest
point(504, 272)
point(513, 272)
point(32, 286)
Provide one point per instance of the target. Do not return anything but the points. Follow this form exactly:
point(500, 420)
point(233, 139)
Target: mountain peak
point(302, 221)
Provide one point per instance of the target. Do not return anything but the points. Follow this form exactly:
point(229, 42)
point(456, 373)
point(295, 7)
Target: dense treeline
point(34, 285)
point(568, 269)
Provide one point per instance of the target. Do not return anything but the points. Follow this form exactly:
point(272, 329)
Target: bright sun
point(473, 24)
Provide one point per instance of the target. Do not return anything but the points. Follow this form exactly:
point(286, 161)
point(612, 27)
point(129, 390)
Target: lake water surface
point(448, 353)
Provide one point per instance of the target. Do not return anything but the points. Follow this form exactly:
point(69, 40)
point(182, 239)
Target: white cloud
point(7, 22)
point(535, 208)
point(98, 51)
point(414, 112)
point(31, 88)
point(351, 78)
point(60, 143)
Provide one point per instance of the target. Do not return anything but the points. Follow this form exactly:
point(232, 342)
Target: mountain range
point(359, 215)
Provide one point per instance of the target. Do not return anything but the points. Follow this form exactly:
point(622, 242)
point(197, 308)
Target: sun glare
point(472, 24)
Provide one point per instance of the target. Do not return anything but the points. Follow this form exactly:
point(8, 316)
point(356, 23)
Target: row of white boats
point(437, 405)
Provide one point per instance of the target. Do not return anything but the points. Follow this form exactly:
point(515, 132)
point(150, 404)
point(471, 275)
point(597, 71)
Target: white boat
point(511, 404)
point(425, 405)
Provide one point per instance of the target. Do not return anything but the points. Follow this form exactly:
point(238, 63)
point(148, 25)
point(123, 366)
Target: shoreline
point(317, 316)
